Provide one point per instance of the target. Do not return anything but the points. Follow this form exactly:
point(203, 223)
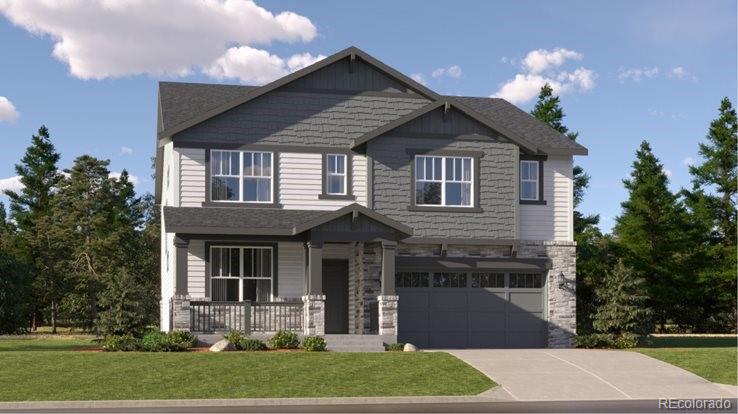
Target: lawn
point(712, 358)
point(39, 373)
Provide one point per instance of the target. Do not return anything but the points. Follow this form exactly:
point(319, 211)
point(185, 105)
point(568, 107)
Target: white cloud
point(418, 77)
point(540, 60)
point(667, 172)
point(107, 38)
point(678, 72)
point(688, 161)
point(133, 179)
point(256, 66)
point(11, 184)
point(542, 66)
point(453, 71)
point(126, 150)
point(637, 74)
point(8, 113)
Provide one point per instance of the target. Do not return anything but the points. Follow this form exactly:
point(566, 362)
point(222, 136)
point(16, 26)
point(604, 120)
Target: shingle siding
point(340, 76)
point(498, 188)
point(301, 119)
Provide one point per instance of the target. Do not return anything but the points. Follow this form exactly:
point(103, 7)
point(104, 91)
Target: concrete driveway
point(584, 374)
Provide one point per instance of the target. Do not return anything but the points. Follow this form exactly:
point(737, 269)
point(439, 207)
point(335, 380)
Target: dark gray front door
point(335, 288)
point(471, 309)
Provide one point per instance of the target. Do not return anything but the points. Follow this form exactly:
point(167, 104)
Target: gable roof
point(514, 119)
point(264, 221)
point(245, 96)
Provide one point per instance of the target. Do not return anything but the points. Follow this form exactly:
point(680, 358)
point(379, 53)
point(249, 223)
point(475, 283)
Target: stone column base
point(388, 314)
point(313, 315)
point(180, 308)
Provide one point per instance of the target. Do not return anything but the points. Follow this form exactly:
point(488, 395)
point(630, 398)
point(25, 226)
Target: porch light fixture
point(564, 281)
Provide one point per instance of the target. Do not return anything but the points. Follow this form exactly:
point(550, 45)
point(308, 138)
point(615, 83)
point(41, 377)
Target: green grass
point(30, 344)
point(60, 374)
point(712, 358)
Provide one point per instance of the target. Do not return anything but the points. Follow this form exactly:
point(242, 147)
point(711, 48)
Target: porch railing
point(246, 316)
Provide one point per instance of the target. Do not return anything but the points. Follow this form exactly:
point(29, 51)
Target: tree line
point(670, 263)
point(79, 248)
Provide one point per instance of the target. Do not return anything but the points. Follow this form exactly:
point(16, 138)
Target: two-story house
point(346, 198)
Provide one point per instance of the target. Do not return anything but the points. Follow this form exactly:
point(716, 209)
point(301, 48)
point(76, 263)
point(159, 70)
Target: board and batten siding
point(300, 182)
point(290, 270)
point(192, 176)
point(552, 221)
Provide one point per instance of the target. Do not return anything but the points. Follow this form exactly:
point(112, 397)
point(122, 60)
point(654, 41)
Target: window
point(241, 273)
point(526, 280)
point(488, 280)
point(335, 174)
point(241, 176)
point(529, 180)
point(412, 279)
point(443, 181)
point(449, 280)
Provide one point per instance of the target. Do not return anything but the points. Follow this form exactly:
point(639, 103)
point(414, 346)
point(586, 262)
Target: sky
point(625, 71)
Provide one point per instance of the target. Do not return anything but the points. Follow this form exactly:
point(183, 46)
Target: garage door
point(471, 309)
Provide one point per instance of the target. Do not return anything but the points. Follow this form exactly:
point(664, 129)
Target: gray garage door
point(471, 309)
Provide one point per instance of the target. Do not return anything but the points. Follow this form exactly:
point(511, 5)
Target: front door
point(335, 288)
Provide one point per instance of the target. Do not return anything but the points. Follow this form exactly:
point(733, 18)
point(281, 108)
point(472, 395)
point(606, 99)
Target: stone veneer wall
point(561, 302)
point(365, 267)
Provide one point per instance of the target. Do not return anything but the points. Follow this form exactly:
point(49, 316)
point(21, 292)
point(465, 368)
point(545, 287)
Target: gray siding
point(338, 76)
point(498, 189)
point(302, 119)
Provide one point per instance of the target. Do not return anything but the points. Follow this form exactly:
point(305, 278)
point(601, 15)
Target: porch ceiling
point(264, 221)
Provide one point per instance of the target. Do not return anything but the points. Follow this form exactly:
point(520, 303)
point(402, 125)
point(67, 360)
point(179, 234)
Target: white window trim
point(443, 180)
point(329, 174)
point(241, 278)
point(242, 176)
point(534, 180)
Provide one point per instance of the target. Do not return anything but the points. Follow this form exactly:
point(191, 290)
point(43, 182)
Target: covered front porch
point(314, 273)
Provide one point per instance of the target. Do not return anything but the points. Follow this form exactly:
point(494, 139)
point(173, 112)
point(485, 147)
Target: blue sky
point(626, 71)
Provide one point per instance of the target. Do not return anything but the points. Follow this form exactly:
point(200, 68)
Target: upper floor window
point(245, 176)
point(529, 180)
point(335, 174)
point(444, 181)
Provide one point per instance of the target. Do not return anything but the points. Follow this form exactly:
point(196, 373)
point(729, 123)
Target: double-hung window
point(529, 180)
point(335, 174)
point(444, 181)
point(241, 273)
point(244, 176)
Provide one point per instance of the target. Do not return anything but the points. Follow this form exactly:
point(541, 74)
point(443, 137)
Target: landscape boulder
point(410, 348)
point(222, 345)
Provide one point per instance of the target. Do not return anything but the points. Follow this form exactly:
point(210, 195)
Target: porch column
point(180, 302)
point(314, 300)
point(388, 300)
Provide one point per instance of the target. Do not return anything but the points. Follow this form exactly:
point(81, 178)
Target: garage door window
point(488, 280)
point(412, 279)
point(449, 280)
point(526, 280)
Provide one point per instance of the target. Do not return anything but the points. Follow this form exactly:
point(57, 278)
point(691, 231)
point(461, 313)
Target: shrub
point(154, 341)
point(313, 344)
point(233, 336)
point(124, 343)
point(284, 340)
point(250, 344)
point(399, 346)
point(606, 340)
point(178, 341)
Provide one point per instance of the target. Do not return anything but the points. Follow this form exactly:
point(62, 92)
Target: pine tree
point(712, 203)
point(30, 207)
point(622, 303)
point(652, 234)
point(124, 303)
point(14, 283)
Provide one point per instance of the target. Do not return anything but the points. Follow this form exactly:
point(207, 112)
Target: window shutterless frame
point(439, 173)
point(335, 174)
point(531, 180)
point(235, 268)
point(232, 173)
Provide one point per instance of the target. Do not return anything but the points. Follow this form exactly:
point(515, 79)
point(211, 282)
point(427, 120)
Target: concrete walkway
point(584, 374)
